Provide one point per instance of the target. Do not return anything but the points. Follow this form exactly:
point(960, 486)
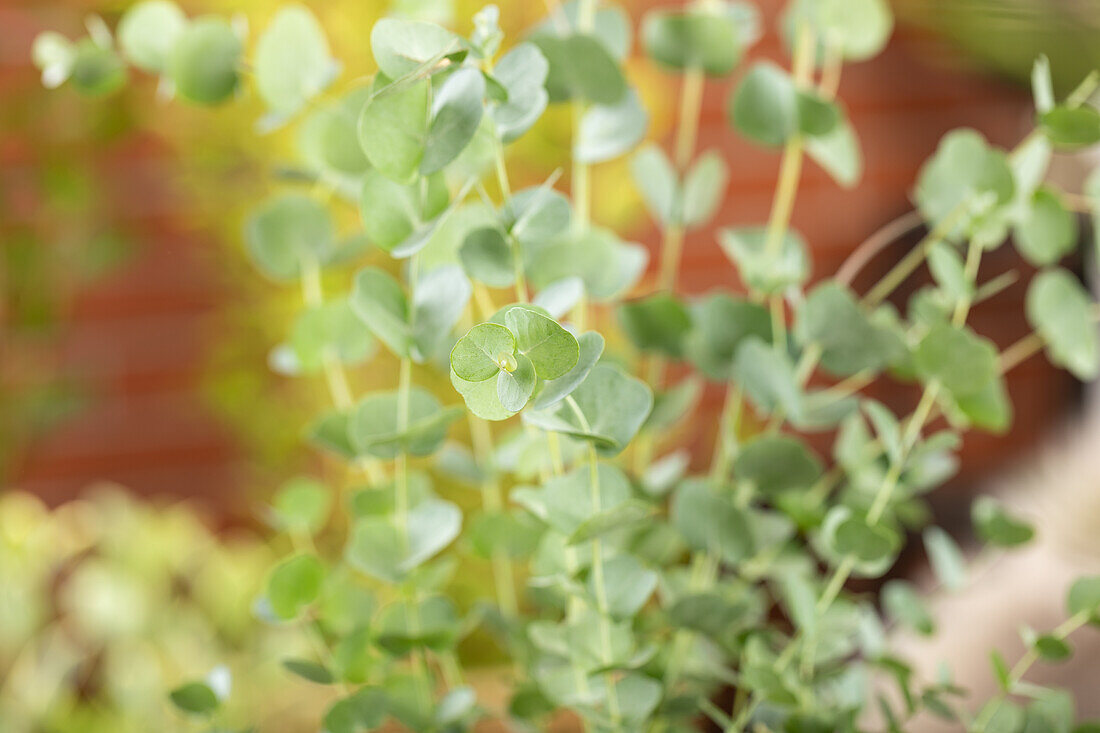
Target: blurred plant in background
point(108, 601)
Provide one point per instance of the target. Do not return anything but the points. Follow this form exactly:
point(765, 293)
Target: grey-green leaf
point(522, 71)
point(287, 231)
point(657, 181)
point(292, 63)
point(204, 61)
point(610, 407)
point(456, 114)
point(608, 131)
point(393, 129)
point(380, 302)
point(552, 350)
point(1060, 309)
point(148, 31)
point(487, 257)
point(590, 348)
point(402, 46)
point(1047, 231)
point(704, 187)
point(764, 107)
point(514, 387)
point(483, 352)
point(376, 427)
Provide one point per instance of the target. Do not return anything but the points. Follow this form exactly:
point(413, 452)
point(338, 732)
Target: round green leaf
point(1084, 596)
point(711, 522)
point(610, 408)
point(522, 72)
point(294, 584)
point(204, 61)
point(765, 106)
point(514, 386)
point(438, 303)
point(767, 377)
point(364, 710)
point(961, 361)
point(380, 549)
point(286, 231)
point(590, 348)
point(392, 212)
point(658, 323)
point(96, 70)
point(699, 36)
point(148, 31)
point(608, 131)
point(838, 152)
point(331, 330)
point(965, 173)
point(704, 188)
point(816, 116)
point(948, 563)
point(607, 265)
point(393, 129)
point(484, 351)
point(580, 66)
point(456, 113)
point(329, 137)
point(536, 214)
point(1060, 309)
point(552, 350)
point(1071, 127)
point(721, 324)
point(195, 697)
point(481, 398)
point(401, 46)
point(860, 28)
point(292, 63)
point(487, 258)
point(407, 625)
point(302, 505)
point(1047, 231)
point(658, 183)
point(310, 671)
point(762, 271)
point(374, 427)
point(850, 341)
point(381, 304)
point(868, 543)
point(995, 526)
point(1052, 648)
point(777, 464)
point(902, 603)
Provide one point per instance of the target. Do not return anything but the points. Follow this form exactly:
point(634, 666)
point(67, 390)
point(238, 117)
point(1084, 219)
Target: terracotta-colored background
point(138, 339)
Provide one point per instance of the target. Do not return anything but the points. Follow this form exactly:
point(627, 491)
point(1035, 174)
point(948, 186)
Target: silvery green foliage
point(647, 587)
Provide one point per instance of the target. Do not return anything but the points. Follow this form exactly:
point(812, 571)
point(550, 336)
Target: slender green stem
point(836, 583)
point(492, 501)
point(728, 426)
point(598, 581)
point(522, 294)
point(913, 259)
point(790, 168)
point(691, 108)
point(1021, 668)
point(586, 21)
point(401, 462)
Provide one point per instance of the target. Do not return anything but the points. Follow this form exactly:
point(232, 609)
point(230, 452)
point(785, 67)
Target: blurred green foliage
point(108, 601)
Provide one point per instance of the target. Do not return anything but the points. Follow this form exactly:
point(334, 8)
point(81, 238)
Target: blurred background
point(134, 335)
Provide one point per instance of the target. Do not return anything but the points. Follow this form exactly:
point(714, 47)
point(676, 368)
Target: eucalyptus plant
point(631, 589)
